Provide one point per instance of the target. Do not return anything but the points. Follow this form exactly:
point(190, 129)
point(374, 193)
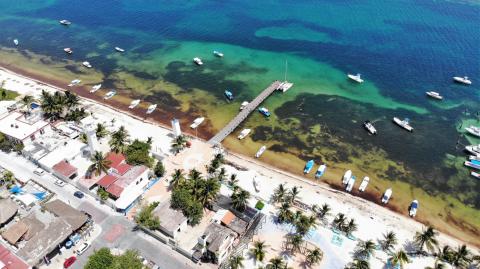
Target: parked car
point(79, 194)
point(83, 247)
point(68, 262)
point(39, 171)
point(60, 183)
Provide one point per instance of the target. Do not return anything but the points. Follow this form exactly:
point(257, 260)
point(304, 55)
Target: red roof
point(11, 261)
point(107, 180)
point(123, 168)
point(115, 190)
point(228, 218)
point(64, 168)
point(115, 159)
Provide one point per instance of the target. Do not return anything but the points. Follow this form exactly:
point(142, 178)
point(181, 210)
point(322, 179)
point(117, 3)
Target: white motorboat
point(134, 103)
point(284, 86)
point(386, 196)
point(197, 122)
point(110, 94)
point(370, 128)
point(472, 164)
point(475, 174)
point(435, 95)
point(356, 78)
point(364, 184)
point(68, 50)
point(65, 22)
point(74, 82)
point(320, 171)
point(346, 177)
point(96, 88)
point(243, 105)
point(412, 210)
point(151, 108)
point(405, 124)
point(244, 133)
point(119, 49)
point(474, 158)
point(463, 80)
point(217, 53)
point(260, 151)
point(473, 149)
point(15, 41)
point(198, 61)
point(473, 130)
point(87, 64)
point(350, 184)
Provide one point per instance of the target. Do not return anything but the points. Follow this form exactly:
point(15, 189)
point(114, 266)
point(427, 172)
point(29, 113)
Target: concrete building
point(64, 170)
point(67, 151)
point(9, 260)
point(217, 242)
point(23, 127)
point(92, 139)
point(8, 210)
point(171, 221)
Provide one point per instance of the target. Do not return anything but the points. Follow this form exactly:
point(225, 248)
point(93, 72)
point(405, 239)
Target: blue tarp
point(40, 195)
point(16, 189)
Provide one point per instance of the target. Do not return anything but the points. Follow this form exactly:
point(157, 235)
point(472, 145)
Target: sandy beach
point(373, 220)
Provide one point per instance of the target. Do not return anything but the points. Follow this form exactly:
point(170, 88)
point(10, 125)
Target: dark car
point(68, 262)
point(79, 194)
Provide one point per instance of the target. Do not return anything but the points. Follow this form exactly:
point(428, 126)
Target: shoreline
point(157, 121)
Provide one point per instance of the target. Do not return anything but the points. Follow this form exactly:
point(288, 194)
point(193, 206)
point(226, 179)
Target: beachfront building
point(124, 183)
point(216, 243)
point(172, 221)
point(20, 127)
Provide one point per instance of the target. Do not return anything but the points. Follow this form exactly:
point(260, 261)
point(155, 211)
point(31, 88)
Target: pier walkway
point(242, 115)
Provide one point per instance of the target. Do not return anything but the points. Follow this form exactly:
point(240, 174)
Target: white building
point(22, 127)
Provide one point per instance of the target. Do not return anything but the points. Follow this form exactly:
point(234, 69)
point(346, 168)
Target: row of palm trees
point(58, 105)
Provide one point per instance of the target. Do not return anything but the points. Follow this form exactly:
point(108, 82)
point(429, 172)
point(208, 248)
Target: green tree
point(130, 259)
point(101, 131)
point(183, 200)
point(293, 194)
point(209, 191)
point(178, 178)
point(119, 140)
point(138, 153)
point(159, 169)
point(71, 100)
point(258, 251)
point(426, 238)
point(294, 242)
point(364, 250)
point(146, 217)
point(339, 221)
point(102, 193)
point(313, 257)
point(100, 259)
point(399, 258)
point(350, 227)
point(358, 264)
point(27, 101)
point(389, 241)
point(279, 194)
point(236, 262)
point(240, 199)
point(233, 180)
point(461, 257)
point(276, 263)
point(284, 213)
point(100, 163)
point(179, 143)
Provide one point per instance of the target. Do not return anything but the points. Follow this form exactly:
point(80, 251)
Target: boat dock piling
point(243, 114)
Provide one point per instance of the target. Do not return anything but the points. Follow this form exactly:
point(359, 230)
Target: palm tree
point(240, 199)
point(236, 262)
point(222, 174)
point(179, 143)
point(27, 100)
point(358, 264)
point(350, 227)
point(461, 257)
point(149, 140)
point(427, 239)
point(177, 178)
point(284, 213)
point(119, 140)
point(233, 180)
point(71, 100)
point(313, 257)
point(100, 163)
point(101, 131)
point(209, 191)
point(389, 241)
point(323, 212)
point(295, 241)
point(398, 258)
point(258, 251)
point(279, 194)
point(276, 263)
point(293, 194)
point(437, 265)
point(446, 254)
point(339, 221)
point(219, 158)
point(364, 250)
point(304, 223)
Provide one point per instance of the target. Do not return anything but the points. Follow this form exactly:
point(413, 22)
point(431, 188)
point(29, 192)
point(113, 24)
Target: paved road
point(117, 231)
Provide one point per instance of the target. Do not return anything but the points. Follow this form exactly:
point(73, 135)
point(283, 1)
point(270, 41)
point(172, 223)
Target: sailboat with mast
point(285, 85)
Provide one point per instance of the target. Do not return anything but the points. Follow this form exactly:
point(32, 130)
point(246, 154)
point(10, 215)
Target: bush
point(184, 201)
point(138, 153)
point(102, 193)
point(259, 205)
point(146, 218)
point(159, 169)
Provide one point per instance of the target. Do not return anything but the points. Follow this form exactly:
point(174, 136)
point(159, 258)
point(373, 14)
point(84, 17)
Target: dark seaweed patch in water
point(164, 99)
point(143, 75)
point(73, 68)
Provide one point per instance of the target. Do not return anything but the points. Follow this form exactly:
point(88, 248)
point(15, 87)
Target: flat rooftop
point(19, 126)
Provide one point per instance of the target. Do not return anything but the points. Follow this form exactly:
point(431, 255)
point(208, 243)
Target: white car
point(60, 183)
point(82, 248)
point(39, 171)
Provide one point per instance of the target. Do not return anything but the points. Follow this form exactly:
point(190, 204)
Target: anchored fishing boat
point(405, 124)
point(264, 111)
point(228, 94)
point(119, 49)
point(134, 103)
point(412, 210)
point(435, 95)
point(87, 64)
point(350, 184)
point(308, 167)
point(320, 171)
point(473, 149)
point(110, 94)
point(68, 50)
point(218, 53)
point(243, 105)
point(198, 61)
point(473, 164)
point(370, 128)
point(473, 130)
point(96, 88)
point(462, 80)
point(151, 108)
point(260, 151)
point(65, 22)
point(197, 122)
point(357, 78)
point(346, 177)
point(386, 196)
point(244, 133)
point(475, 174)
point(15, 41)
point(74, 82)
point(364, 184)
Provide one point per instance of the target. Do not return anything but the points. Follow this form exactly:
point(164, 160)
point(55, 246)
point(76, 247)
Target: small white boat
point(218, 53)
point(405, 124)
point(320, 171)
point(346, 177)
point(370, 128)
point(463, 80)
point(65, 22)
point(68, 50)
point(119, 49)
point(473, 149)
point(284, 86)
point(475, 174)
point(473, 130)
point(134, 103)
point(15, 41)
point(364, 184)
point(87, 64)
point(110, 94)
point(151, 108)
point(474, 158)
point(197, 122)
point(356, 78)
point(243, 105)
point(244, 133)
point(435, 95)
point(412, 210)
point(473, 164)
point(74, 82)
point(96, 88)
point(350, 184)
point(260, 151)
point(198, 61)
point(386, 196)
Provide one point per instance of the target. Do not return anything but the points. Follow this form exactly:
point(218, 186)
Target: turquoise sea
point(402, 48)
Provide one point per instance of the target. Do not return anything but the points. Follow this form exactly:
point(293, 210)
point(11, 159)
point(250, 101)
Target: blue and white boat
point(308, 167)
point(320, 171)
point(264, 111)
point(217, 53)
point(473, 164)
point(350, 184)
point(412, 210)
point(229, 95)
point(346, 177)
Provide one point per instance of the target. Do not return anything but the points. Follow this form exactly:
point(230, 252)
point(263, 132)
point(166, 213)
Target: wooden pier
point(242, 115)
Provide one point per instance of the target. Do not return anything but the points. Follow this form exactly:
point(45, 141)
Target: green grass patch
point(6, 95)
